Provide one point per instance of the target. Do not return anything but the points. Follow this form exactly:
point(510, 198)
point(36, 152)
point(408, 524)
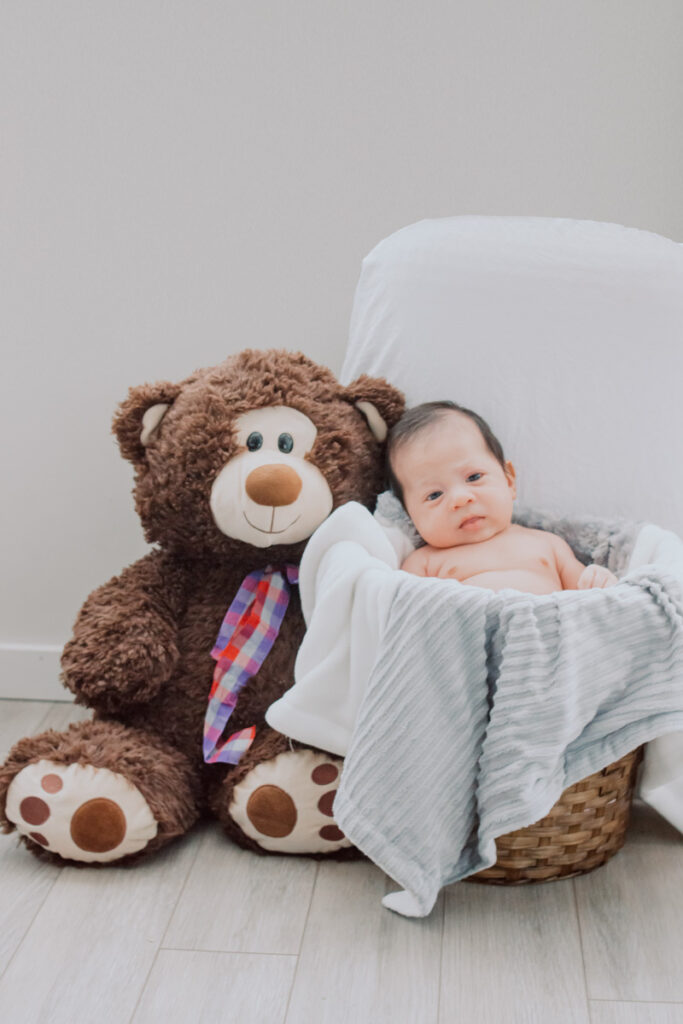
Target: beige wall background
point(180, 180)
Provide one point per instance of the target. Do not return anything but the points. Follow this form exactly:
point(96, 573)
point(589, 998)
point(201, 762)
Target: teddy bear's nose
point(273, 485)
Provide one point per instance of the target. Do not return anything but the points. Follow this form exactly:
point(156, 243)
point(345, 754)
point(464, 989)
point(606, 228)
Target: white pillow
point(567, 336)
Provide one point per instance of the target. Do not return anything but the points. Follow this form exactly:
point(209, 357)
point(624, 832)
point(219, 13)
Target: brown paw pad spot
point(34, 811)
point(325, 802)
point(38, 837)
point(51, 783)
point(98, 825)
point(332, 833)
point(271, 811)
point(324, 774)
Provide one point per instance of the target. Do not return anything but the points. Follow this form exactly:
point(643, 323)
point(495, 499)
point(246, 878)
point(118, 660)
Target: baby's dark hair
point(415, 420)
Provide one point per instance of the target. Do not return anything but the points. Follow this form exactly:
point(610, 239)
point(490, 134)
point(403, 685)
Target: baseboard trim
point(31, 672)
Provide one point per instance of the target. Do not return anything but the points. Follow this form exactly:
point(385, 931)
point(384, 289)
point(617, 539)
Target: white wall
point(183, 179)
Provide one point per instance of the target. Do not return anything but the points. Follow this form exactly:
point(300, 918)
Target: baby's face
point(454, 488)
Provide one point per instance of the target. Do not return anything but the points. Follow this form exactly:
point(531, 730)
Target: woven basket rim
point(583, 829)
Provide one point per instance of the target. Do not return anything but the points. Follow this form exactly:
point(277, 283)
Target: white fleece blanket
point(463, 713)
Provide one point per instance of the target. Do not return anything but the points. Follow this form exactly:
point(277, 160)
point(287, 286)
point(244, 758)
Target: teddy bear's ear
point(139, 416)
point(381, 404)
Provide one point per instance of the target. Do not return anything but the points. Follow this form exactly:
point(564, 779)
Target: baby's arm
point(576, 576)
point(596, 576)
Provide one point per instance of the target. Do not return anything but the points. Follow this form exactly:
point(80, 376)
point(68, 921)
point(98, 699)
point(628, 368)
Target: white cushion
point(567, 336)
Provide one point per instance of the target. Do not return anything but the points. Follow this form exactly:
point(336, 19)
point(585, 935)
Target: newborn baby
point(448, 469)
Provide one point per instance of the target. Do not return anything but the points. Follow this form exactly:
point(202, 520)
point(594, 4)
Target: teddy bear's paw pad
point(286, 804)
point(80, 812)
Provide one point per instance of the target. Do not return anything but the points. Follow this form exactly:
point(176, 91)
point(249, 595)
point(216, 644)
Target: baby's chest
point(495, 556)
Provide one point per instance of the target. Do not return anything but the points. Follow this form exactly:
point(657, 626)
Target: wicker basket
point(583, 830)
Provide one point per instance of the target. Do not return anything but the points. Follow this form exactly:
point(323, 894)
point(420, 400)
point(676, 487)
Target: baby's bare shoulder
point(426, 560)
point(416, 562)
point(542, 537)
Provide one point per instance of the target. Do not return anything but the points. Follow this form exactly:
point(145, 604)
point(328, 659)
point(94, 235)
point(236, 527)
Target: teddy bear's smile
point(255, 527)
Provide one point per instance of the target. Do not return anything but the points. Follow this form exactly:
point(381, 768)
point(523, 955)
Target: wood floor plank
point(636, 1013)
point(62, 714)
point(631, 914)
point(233, 988)
point(80, 944)
point(90, 947)
point(240, 902)
point(361, 963)
point(512, 954)
point(25, 882)
point(20, 718)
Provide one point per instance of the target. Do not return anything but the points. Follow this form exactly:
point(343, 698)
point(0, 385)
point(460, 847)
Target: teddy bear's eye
point(285, 442)
point(254, 441)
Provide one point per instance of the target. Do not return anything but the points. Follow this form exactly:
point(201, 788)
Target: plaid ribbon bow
point(247, 633)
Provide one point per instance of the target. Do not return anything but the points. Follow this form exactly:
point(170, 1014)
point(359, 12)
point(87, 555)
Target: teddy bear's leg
point(98, 792)
point(280, 799)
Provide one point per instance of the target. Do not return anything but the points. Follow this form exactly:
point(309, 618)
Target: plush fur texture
point(140, 652)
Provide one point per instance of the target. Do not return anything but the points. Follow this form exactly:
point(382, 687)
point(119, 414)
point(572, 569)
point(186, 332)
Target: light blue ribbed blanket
point(482, 707)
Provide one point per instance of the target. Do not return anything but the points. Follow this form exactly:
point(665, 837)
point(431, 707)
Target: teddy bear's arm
point(124, 646)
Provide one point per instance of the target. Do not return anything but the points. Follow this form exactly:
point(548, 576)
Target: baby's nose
point(461, 496)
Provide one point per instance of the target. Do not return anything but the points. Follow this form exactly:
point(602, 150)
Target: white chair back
point(567, 336)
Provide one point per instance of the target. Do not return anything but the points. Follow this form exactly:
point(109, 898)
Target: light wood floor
point(207, 932)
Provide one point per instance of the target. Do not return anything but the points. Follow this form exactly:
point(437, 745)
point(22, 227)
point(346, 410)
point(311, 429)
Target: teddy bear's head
point(254, 452)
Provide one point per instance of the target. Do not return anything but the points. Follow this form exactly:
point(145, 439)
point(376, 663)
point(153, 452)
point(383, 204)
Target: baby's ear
point(511, 477)
point(377, 401)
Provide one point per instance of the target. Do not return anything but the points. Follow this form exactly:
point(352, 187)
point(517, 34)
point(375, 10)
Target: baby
point(448, 469)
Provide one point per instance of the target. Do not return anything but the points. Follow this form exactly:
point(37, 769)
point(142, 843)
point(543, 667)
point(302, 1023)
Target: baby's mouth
point(471, 523)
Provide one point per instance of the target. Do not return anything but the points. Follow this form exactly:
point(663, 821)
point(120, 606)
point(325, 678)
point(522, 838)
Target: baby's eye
point(473, 477)
point(434, 495)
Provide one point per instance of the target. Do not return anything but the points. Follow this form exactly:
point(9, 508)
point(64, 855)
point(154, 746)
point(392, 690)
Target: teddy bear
point(181, 654)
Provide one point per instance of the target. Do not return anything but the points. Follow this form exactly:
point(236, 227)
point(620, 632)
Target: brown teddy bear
point(181, 655)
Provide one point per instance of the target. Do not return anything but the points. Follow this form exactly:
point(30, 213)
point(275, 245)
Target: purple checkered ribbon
point(247, 633)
